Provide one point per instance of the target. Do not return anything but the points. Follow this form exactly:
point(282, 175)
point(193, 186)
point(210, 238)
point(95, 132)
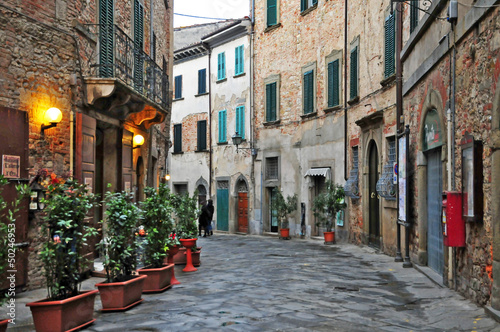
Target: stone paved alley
point(261, 283)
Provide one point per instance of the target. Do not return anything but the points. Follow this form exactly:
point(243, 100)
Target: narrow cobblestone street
point(261, 283)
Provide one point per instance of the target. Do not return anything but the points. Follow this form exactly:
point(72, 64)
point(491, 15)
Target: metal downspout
point(210, 119)
point(345, 91)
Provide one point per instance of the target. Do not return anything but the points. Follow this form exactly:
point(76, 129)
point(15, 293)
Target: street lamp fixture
point(53, 116)
point(237, 140)
point(138, 141)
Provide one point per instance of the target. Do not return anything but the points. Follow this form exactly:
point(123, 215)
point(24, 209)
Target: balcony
point(121, 80)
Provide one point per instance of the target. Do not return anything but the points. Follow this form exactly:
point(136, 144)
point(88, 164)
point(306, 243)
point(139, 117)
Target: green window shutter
point(178, 87)
point(272, 17)
point(202, 81)
point(177, 138)
point(224, 137)
point(221, 66)
point(354, 73)
point(390, 38)
point(303, 5)
point(106, 54)
point(138, 45)
point(413, 15)
point(240, 121)
point(308, 92)
point(222, 126)
point(239, 61)
point(315, 2)
point(202, 135)
point(271, 102)
point(333, 84)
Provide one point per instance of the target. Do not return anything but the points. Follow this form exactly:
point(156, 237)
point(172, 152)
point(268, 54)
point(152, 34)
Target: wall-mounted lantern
point(36, 197)
point(53, 116)
point(237, 140)
point(167, 177)
point(138, 141)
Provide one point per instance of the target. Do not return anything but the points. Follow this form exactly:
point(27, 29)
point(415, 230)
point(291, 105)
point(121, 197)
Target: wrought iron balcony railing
point(107, 52)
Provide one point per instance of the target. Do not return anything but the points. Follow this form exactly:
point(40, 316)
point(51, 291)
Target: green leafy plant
point(8, 216)
point(283, 207)
point(186, 212)
point(327, 204)
point(66, 205)
point(119, 246)
point(157, 219)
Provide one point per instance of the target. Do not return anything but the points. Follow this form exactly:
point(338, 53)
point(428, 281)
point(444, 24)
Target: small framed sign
point(11, 166)
point(472, 178)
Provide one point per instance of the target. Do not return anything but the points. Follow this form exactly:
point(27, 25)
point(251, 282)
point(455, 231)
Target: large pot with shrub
point(325, 208)
point(282, 208)
point(66, 308)
point(122, 288)
point(157, 220)
point(186, 212)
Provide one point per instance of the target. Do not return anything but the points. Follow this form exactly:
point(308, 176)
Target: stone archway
point(495, 198)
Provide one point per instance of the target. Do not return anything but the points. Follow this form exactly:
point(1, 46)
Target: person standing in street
point(210, 213)
point(205, 218)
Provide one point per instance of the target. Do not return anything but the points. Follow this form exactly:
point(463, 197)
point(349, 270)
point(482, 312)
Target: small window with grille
point(385, 186)
point(272, 168)
point(351, 187)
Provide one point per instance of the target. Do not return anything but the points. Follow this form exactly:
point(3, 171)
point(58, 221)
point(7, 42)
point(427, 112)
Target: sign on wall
point(11, 166)
point(402, 173)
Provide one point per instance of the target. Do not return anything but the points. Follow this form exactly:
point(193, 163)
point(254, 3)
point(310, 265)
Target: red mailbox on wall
point(452, 220)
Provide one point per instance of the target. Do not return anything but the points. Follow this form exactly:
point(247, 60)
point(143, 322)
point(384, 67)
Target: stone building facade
point(299, 118)
point(451, 91)
point(78, 56)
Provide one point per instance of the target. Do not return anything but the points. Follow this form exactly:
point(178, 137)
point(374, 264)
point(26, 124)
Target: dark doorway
point(434, 231)
point(273, 215)
point(374, 200)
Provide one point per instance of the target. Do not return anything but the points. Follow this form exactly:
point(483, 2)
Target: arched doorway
point(374, 199)
point(242, 189)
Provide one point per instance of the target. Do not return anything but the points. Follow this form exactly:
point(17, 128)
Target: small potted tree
point(67, 308)
point(186, 212)
point(9, 214)
point(157, 219)
point(283, 208)
point(122, 288)
point(325, 208)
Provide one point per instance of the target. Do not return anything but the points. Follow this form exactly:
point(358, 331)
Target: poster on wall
point(11, 166)
point(402, 172)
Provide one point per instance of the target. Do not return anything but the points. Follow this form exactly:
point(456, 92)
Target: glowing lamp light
point(167, 177)
point(53, 116)
point(138, 140)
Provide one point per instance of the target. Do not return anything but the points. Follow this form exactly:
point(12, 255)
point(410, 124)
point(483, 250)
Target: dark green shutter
point(390, 38)
point(178, 87)
point(177, 138)
point(221, 66)
point(303, 5)
point(333, 83)
point(413, 15)
point(202, 135)
point(271, 102)
point(222, 126)
point(354, 73)
point(138, 45)
point(106, 54)
point(240, 121)
point(308, 92)
point(272, 17)
point(315, 2)
point(202, 81)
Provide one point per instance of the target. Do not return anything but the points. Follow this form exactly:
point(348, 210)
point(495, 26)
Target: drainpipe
point(252, 110)
point(345, 91)
point(151, 4)
point(209, 118)
point(451, 144)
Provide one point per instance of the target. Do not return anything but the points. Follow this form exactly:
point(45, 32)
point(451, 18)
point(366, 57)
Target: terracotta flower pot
point(120, 296)
point(158, 278)
point(170, 255)
point(65, 315)
point(3, 325)
point(285, 233)
point(188, 244)
point(329, 237)
point(180, 257)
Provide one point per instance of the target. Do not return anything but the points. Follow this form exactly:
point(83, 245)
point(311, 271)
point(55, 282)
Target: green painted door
point(222, 208)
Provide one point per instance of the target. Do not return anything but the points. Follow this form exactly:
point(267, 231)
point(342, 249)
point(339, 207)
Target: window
point(272, 168)
point(308, 90)
point(239, 61)
point(390, 48)
point(351, 187)
point(354, 73)
point(333, 83)
point(106, 48)
point(306, 4)
point(178, 87)
point(202, 135)
point(413, 15)
point(272, 13)
point(222, 126)
point(177, 138)
point(271, 102)
point(385, 185)
point(202, 81)
point(240, 121)
point(138, 45)
point(221, 66)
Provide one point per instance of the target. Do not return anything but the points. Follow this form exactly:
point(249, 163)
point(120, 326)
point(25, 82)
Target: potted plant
point(67, 308)
point(157, 220)
point(186, 212)
point(9, 214)
point(122, 288)
point(283, 208)
point(325, 208)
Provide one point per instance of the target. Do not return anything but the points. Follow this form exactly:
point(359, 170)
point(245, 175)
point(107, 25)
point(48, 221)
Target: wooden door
point(374, 200)
point(243, 212)
point(14, 135)
point(222, 206)
point(85, 166)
